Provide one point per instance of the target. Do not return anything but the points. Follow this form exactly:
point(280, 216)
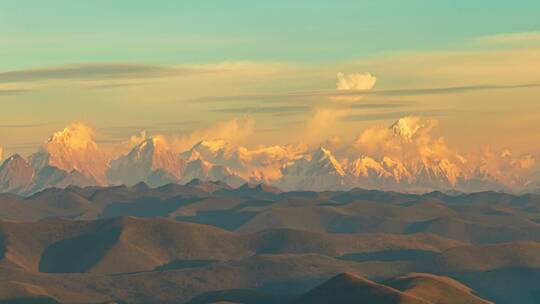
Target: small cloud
point(355, 81)
point(323, 121)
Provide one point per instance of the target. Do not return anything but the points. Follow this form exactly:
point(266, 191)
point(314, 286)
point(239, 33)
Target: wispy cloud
point(6, 92)
point(123, 131)
point(389, 92)
point(265, 110)
point(379, 105)
point(91, 72)
point(394, 115)
point(105, 86)
point(25, 125)
point(511, 38)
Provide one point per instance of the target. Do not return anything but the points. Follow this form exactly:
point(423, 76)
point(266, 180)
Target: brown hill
point(480, 218)
point(413, 288)
point(18, 292)
point(348, 288)
point(488, 257)
point(436, 289)
point(133, 244)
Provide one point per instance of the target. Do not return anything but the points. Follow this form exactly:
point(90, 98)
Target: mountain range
point(208, 242)
point(72, 157)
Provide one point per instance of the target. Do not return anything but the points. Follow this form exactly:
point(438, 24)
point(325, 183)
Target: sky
point(292, 71)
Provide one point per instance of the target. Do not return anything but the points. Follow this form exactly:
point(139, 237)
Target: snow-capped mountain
point(402, 157)
point(387, 174)
point(68, 157)
point(259, 164)
point(319, 170)
point(73, 151)
point(16, 174)
point(152, 161)
point(155, 163)
point(206, 171)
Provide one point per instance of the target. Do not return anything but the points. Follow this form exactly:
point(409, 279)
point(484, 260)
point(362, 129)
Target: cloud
point(453, 90)
point(322, 122)
point(135, 140)
point(235, 131)
point(74, 148)
point(1, 153)
point(410, 147)
point(409, 152)
point(88, 72)
point(265, 109)
point(514, 171)
point(412, 143)
point(511, 38)
point(122, 131)
point(7, 92)
point(355, 81)
point(395, 115)
point(76, 136)
point(367, 92)
point(379, 105)
point(25, 126)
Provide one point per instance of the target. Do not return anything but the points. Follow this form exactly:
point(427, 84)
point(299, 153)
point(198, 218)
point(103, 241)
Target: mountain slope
point(151, 161)
point(15, 175)
point(436, 289)
point(133, 244)
point(348, 288)
point(318, 171)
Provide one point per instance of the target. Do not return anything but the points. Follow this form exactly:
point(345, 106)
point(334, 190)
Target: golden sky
point(487, 96)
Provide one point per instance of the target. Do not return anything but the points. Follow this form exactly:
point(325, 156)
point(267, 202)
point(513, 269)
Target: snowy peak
point(73, 149)
point(207, 150)
point(15, 174)
point(402, 157)
point(157, 151)
point(76, 136)
point(151, 161)
point(323, 161)
point(212, 146)
point(367, 167)
point(318, 171)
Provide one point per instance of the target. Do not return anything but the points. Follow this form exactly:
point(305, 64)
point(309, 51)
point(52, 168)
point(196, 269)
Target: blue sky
point(41, 33)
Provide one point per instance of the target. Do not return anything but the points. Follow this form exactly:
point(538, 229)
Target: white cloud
point(235, 131)
point(355, 81)
point(322, 124)
point(411, 143)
